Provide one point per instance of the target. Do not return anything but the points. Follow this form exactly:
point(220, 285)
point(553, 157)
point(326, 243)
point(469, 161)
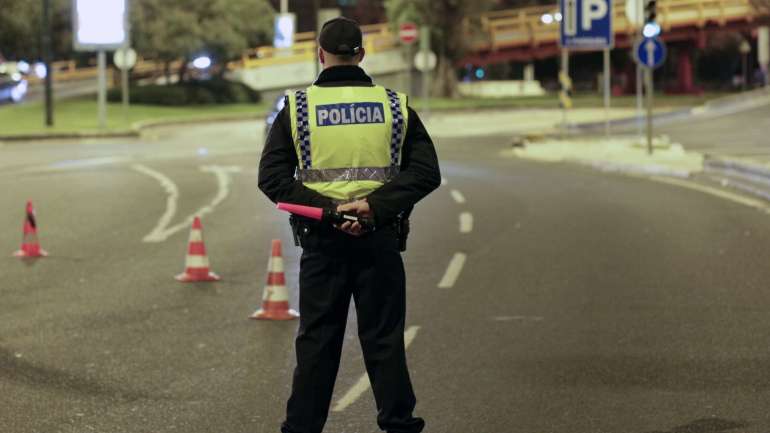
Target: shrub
point(208, 92)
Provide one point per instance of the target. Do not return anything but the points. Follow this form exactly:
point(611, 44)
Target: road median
point(625, 155)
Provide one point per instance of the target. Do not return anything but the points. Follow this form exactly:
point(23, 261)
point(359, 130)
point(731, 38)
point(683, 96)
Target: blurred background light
point(23, 67)
point(40, 70)
point(651, 30)
point(202, 62)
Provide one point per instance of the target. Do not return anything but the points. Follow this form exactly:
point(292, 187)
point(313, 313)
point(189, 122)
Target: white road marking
point(518, 318)
point(453, 271)
point(466, 222)
point(161, 232)
point(171, 201)
point(363, 384)
point(726, 195)
point(458, 196)
point(444, 181)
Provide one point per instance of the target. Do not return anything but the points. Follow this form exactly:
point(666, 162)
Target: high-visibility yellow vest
point(348, 139)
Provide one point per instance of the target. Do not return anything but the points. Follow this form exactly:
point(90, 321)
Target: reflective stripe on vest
point(347, 142)
point(378, 174)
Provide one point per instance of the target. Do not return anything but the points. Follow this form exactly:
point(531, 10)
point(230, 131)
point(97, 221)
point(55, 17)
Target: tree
point(20, 28)
point(450, 21)
point(169, 30)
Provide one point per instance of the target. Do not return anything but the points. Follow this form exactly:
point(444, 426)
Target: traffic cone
point(197, 262)
point(275, 299)
point(30, 246)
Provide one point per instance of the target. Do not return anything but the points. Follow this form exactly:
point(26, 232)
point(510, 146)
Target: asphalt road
point(743, 134)
point(587, 302)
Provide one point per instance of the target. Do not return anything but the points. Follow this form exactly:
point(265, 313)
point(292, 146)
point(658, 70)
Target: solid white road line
point(458, 196)
point(746, 201)
point(466, 222)
point(171, 201)
point(518, 318)
point(453, 271)
point(444, 181)
point(363, 384)
point(161, 232)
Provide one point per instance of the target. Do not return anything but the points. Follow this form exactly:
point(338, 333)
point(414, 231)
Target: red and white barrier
point(275, 298)
point(197, 262)
point(30, 246)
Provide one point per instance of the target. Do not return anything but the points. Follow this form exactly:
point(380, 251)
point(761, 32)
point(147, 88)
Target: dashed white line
point(458, 196)
point(453, 271)
point(363, 384)
point(466, 222)
point(444, 181)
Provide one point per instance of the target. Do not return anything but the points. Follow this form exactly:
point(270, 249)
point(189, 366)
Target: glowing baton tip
point(315, 213)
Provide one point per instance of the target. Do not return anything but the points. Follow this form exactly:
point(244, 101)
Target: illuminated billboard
point(285, 25)
point(100, 25)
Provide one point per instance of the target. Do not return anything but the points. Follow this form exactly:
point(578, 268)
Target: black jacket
point(419, 165)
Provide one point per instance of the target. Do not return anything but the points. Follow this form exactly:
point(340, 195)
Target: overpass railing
point(499, 30)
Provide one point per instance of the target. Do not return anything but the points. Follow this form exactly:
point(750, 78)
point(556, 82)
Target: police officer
point(345, 143)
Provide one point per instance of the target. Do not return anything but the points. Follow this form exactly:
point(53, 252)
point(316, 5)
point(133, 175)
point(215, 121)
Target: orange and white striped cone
point(275, 299)
point(197, 262)
point(30, 246)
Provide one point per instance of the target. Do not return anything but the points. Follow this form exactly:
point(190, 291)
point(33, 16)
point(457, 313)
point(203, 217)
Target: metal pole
point(124, 83)
point(744, 79)
point(409, 67)
point(650, 95)
point(426, 81)
point(102, 82)
point(47, 60)
point(316, 13)
point(565, 70)
point(639, 99)
point(607, 90)
point(284, 6)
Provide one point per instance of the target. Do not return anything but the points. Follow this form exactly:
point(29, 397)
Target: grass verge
point(80, 116)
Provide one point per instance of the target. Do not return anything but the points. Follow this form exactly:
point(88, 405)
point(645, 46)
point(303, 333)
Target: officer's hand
point(360, 208)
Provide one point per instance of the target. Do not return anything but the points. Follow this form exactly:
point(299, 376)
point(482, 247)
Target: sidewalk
point(626, 155)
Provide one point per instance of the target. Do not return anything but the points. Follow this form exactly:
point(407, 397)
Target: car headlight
point(18, 91)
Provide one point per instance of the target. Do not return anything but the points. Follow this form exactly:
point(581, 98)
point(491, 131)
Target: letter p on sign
point(592, 10)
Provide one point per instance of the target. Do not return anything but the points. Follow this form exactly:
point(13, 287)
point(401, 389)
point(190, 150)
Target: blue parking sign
point(587, 24)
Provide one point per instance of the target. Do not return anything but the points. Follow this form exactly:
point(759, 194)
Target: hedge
point(208, 92)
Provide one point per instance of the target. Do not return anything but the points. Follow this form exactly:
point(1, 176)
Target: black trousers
point(334, 267)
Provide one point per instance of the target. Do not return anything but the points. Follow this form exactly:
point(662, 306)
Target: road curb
point(754, 171)
point(69, 136)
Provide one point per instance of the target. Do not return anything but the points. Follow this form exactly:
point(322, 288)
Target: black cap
point(341, 36)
